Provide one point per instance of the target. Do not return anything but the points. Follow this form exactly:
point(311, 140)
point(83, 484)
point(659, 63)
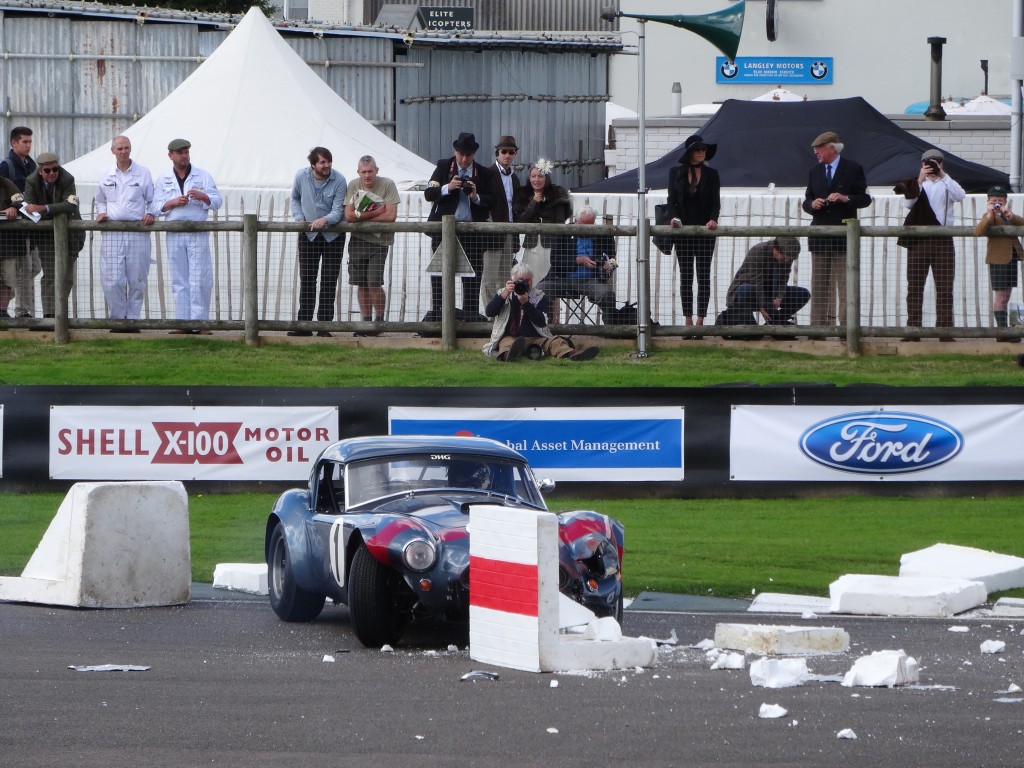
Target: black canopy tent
point(762, 143)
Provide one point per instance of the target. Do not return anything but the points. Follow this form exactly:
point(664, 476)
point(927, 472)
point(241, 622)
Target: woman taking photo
point(541, 202)
point(694, 199)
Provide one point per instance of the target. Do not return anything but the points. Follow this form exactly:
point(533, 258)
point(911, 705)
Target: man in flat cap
point(762, 286)
point(49, 191)
point(125, 193)
point(836, 188)
point(1003, 253)
point(187, 193)
point(462, 188)
point(501, 249)
point(930, 198)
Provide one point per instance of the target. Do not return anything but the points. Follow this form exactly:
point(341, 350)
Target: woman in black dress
point(694, 198)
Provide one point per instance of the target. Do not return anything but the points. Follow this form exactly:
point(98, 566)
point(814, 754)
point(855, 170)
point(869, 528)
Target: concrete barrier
point(111, 545)
point(514, 599)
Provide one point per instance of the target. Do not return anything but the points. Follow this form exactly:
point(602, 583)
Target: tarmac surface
point(228, 684)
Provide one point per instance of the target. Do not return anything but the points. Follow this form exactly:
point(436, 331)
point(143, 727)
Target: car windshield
point(377, 478)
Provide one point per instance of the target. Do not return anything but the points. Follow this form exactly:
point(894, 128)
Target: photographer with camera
point(930, 198)
point(1002, 255)
point(521, 324)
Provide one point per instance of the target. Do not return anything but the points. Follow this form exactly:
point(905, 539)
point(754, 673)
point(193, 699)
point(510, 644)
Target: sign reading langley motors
point(181, 443)
point(831, 443)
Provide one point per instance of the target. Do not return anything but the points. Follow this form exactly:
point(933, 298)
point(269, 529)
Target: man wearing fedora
point(187, 193)
point(50, 191)
point(836, 188)
point(462, 188)
point(501, 249)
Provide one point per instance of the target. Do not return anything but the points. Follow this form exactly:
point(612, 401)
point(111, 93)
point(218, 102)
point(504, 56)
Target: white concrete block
point(904, 596)
point(1008, 606)
point(882, 669)
point(782, 640)
point(779, 673)
point(111, 545)
point(774, 602)
point(241, 577)
point(515, 614)
point(996, 571)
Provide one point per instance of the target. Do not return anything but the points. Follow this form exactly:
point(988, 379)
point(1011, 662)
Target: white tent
point(980, 105)
point(779, 94)
point(252, 111)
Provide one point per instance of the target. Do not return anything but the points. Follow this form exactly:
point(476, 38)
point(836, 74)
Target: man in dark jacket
point(49, 191)
point(761, 285)
point(501, 249)
point(462, 188)
point(836, 188)
point(17, 167)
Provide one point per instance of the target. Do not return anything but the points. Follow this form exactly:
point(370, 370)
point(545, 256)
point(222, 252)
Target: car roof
point(356, 448)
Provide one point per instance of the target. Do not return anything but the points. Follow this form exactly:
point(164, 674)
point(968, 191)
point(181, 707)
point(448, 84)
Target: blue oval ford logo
point(881, 442)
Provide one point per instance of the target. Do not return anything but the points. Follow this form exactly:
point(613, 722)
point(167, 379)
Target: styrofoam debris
point(769, 711)
point(882, 669)
point(554, 683)
point(108, 668)
point(328, 659)
point(958, 628)
point(1013, 688)
point(730, 661)
point(993, 646)
point(606, 629)
point(705, 645)
point(552, 730)
point(846, 733)
point(808, 615)
point(672, 639)
point(453, 649)
point(386, 649)
point(778, 673)
point(1009, 700)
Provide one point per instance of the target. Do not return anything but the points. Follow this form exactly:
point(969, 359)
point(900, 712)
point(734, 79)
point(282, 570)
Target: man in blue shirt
point(583, 266)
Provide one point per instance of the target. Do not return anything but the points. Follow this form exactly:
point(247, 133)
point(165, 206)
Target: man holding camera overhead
point(931, 204)
point(521, 324)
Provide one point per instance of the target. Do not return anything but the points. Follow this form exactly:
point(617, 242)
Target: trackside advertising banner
point(567, 444)
point(181, 443)
point(1, 439)
point(902, 443)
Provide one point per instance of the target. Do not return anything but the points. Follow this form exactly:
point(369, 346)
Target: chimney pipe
point(677, 98)
point(935, 110)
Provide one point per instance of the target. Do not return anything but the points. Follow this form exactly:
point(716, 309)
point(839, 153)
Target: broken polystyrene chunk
point(730, 661)
point(554, 683)
point(882, 669)
point(453, 649)
point(769, 711)
point(779, 673)
point(846, 733)
point(705, 645)
point(606, 629)
point(328, 659)
point(958, 628)
point(552, 730)
point(480, 674)
point(993, 646)
point(108, 668)
point(386, 649)
point(672, 639)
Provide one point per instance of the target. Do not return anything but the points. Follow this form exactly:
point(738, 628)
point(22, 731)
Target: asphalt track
point(231, 685)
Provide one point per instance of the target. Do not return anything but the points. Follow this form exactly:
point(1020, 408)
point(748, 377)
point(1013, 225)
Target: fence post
point(249, 282)
point(449, 255)
point(61, 274)
point(853, 329)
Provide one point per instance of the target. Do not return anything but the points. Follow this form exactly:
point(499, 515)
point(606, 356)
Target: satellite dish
point(772, 19)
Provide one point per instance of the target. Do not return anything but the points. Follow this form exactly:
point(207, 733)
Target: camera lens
point(521, 287)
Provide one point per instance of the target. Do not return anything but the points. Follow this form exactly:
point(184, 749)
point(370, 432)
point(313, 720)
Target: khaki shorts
point(366, 263)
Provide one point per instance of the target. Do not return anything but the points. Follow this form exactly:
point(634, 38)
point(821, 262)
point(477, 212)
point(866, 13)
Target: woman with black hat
point(694, 198)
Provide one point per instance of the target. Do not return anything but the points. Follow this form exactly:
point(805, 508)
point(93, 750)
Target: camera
point(997, 206)
point(932, 164)
point(469, 186)
point(521, 287)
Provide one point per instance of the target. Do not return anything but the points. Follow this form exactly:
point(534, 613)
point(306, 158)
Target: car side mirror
point(545, 485)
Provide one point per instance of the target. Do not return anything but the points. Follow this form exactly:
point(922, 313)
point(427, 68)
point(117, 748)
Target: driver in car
point(469, 474)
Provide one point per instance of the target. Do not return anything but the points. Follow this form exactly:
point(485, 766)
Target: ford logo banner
point(881, 443)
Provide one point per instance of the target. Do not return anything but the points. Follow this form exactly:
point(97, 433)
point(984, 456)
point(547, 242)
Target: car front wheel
point(289, 602)
point(375, 595)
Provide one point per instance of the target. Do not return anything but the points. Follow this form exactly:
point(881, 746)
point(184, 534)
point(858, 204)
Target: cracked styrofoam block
point(241, 577)
point(1008, 606)
point(882, 669)
point(904, 596)
point(775, 602)
point(783, 640)
point(998, 572)
point(779, 673)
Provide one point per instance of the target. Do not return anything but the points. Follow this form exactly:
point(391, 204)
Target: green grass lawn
point(724, 547)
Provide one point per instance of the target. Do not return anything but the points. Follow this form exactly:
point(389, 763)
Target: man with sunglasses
point(501, 249)
point(50, 191)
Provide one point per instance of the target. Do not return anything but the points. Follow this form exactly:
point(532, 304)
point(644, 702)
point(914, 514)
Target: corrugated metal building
point(79, 73)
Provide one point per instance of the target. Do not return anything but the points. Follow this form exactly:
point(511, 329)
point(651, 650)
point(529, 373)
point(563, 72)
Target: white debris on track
point(993, 646)
point(770, 711)
point(846, 733)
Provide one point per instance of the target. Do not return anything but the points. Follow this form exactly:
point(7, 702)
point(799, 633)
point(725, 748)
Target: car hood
point(449, 509)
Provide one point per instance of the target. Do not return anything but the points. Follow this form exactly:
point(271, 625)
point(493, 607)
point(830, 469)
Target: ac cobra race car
point(382, 528)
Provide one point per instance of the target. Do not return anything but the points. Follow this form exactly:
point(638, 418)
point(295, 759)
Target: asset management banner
point(567, 444)
point(188, 443)
point(902, 443)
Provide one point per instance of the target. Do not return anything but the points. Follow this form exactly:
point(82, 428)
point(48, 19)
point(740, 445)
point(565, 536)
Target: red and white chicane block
point(513, 603)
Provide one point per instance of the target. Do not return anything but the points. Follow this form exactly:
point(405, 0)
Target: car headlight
point(419, 554)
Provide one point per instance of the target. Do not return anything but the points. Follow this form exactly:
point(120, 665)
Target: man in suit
point(49, 191)
point(501, 249)
point(462, 188)
point(836, 188)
